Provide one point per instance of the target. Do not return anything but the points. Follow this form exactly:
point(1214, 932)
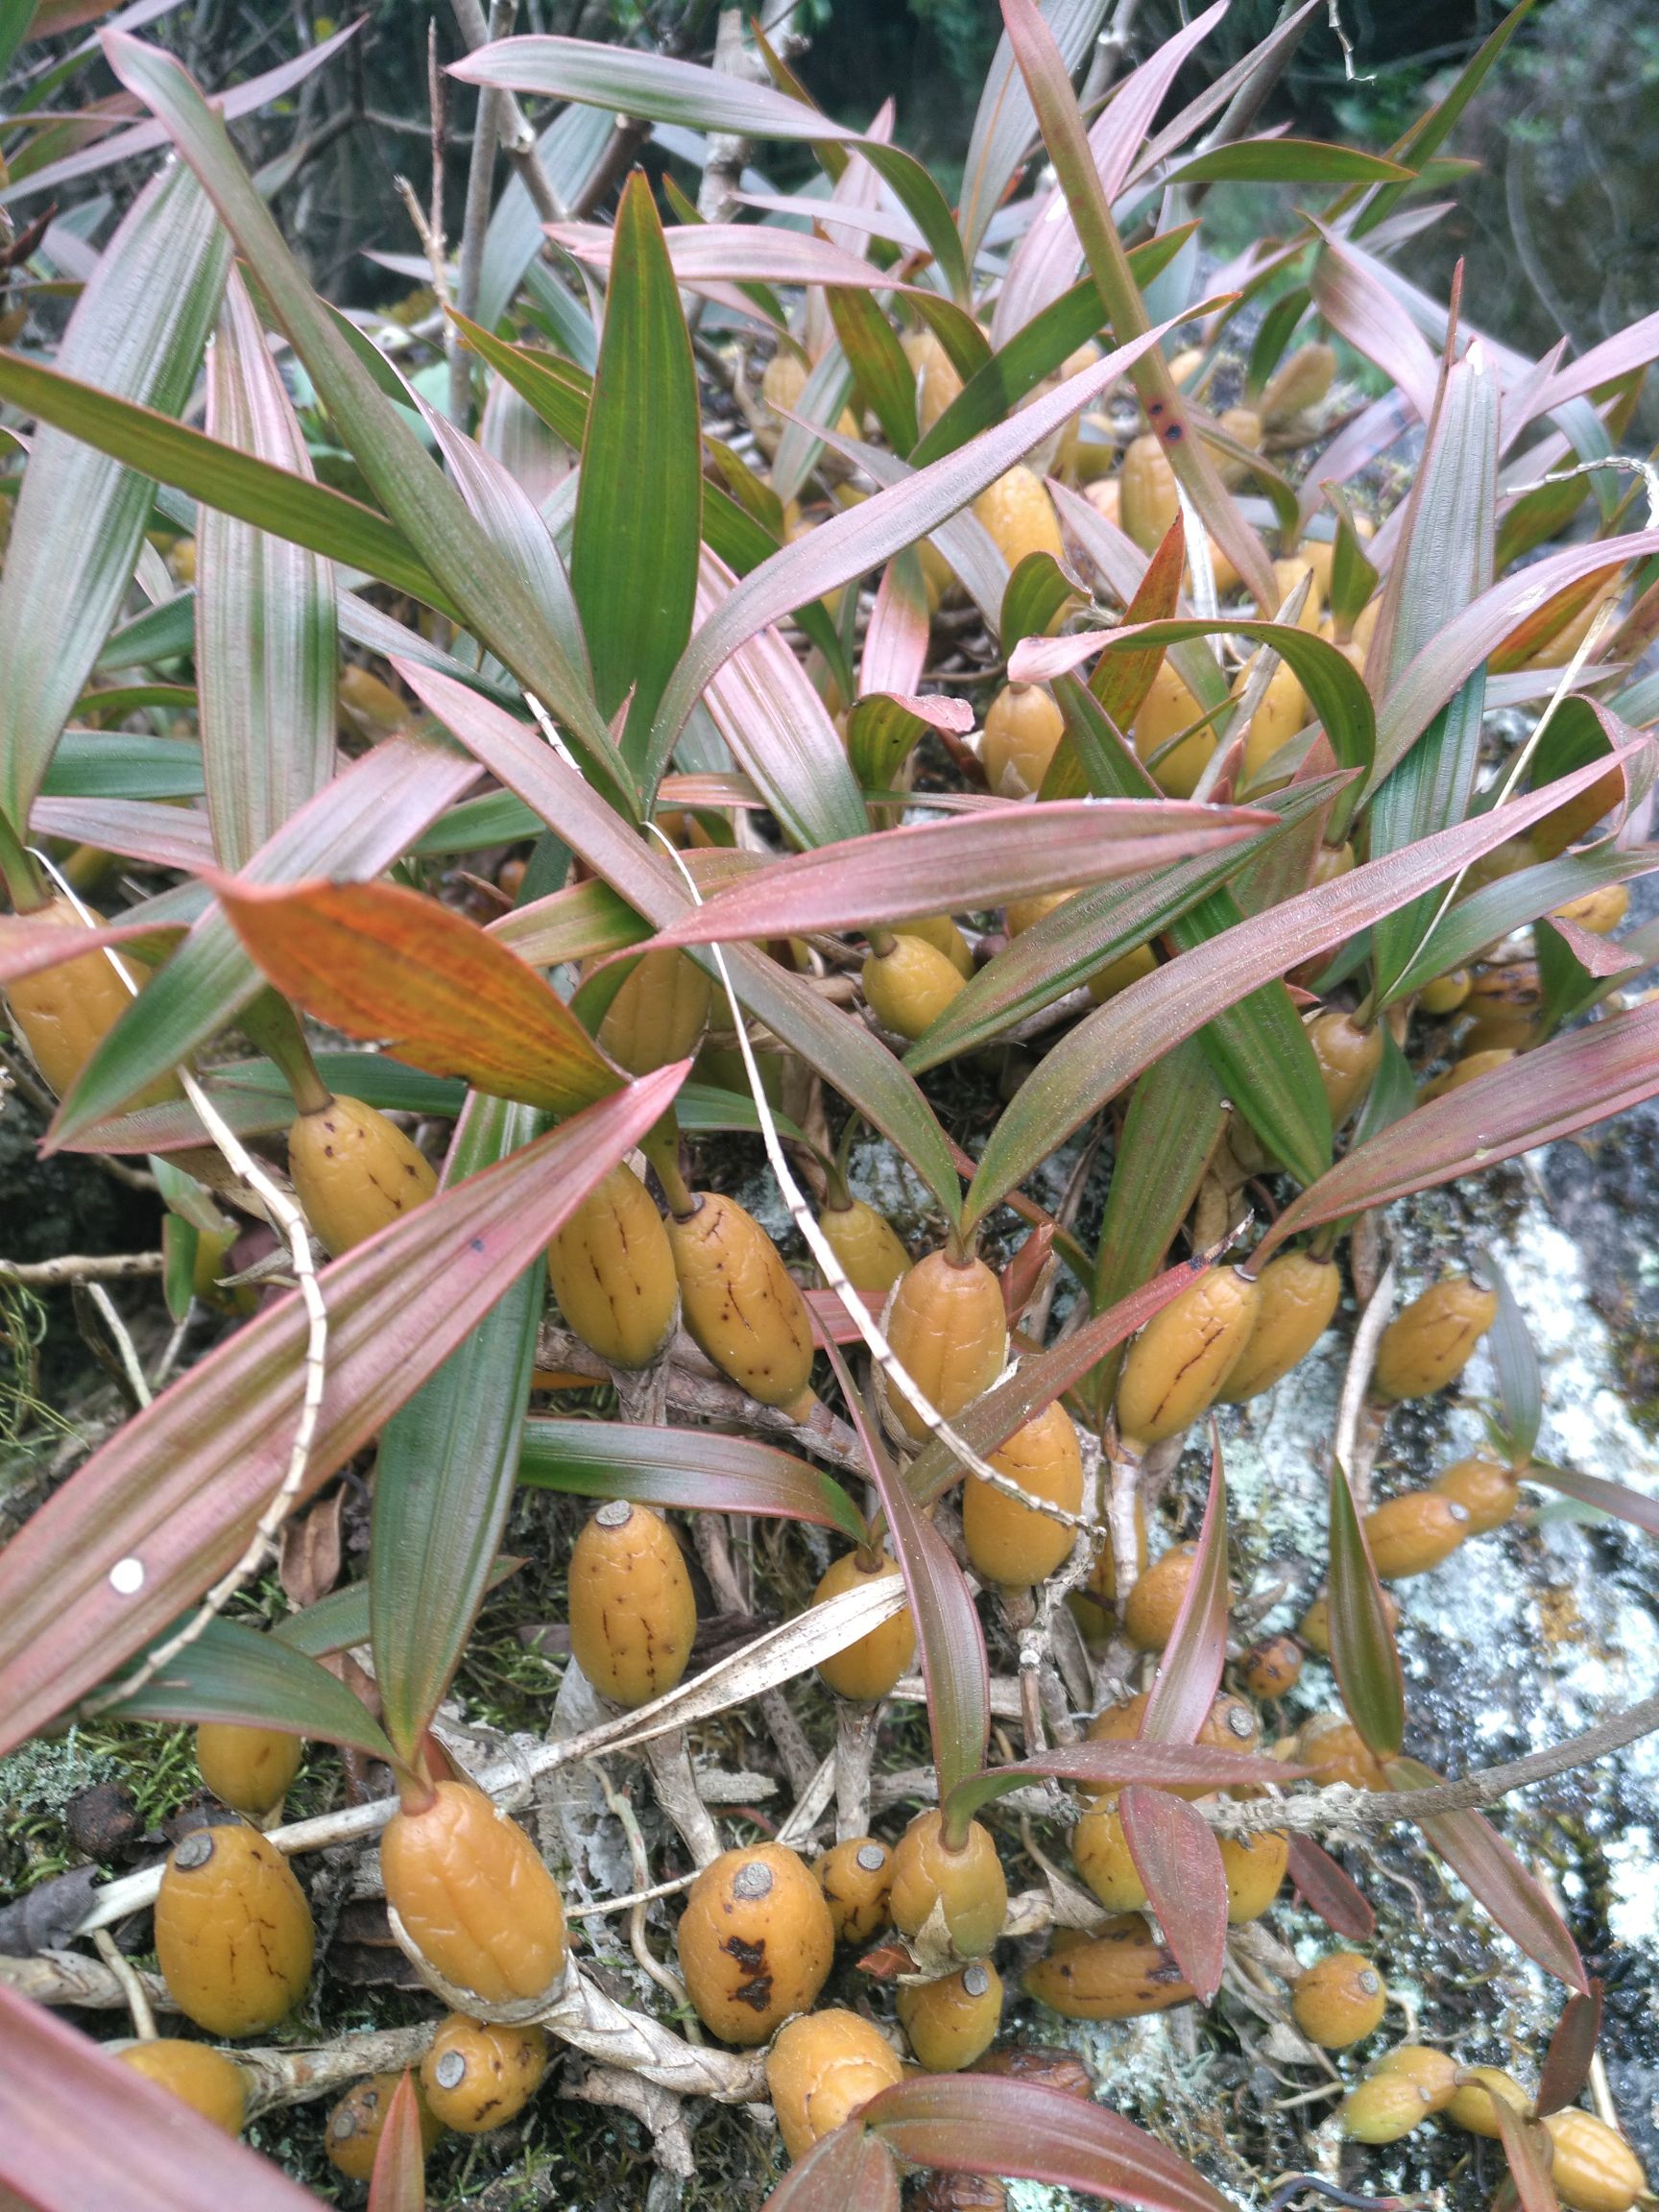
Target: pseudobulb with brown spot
point(756, 1941)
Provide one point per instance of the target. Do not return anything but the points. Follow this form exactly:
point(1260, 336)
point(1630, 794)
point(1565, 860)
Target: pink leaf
point(1178, 1863)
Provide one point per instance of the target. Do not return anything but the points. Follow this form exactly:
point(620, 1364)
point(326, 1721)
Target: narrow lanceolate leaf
point(418, 497)
point(1119, 1765)
point(978, 859)
point(1335, 690)
point(1095, 1061)
point(445, 1477)
point(1442, 666)
point(1070, 942)
point(1260, 1053)
point(1515, 1359)
point(1289, 160)
point(1485, 1864)
point(1326, 1890)
point(232, 1672)
point(376, 961)
point(845, 2166)
point(693, 1469)
point(950, 1641)
point(639, 508)
point(1362, 1648)
point(1090, 205)
point(398, 2181)
point(137, 330)
point(253, 1098)
point(977, 2124)
point(1527, 2155)
point(1572, 2048)
point(173, 1497)
point(1594, 1490)
point(1445, 564)
point(1004, 127)
point(1176, 1113)
point(1189, 1672)
point(148, 2152)
point(1178, 1863)
point(842, 1049)
point(265, 638)
point(218, 476)
point(1563, 1087)
point(357, 825)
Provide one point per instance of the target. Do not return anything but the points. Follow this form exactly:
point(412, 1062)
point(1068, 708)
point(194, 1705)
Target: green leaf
point(1512, 902)
point(886, 382)
point(180, 1489)
point(1039, 591)
point(447, 1464)
point(138, 329)
point(419, 498)
point(1289, 161)
point(990, 394)
point(560, 395)
point(1176, 1115)
point(1515, 1358)
point(232, 1672)
point(1362, 1648)
point(270, 498)
point(1260, 1054)
point(357, 825)
point(254, 1097)
point(123, 764)
point(1445, 562)
point(638, 506)
point(885, 728)
point(266, 647)
point(691, 1470)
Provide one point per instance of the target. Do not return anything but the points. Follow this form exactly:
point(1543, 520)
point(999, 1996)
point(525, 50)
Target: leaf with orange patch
point(377, 961)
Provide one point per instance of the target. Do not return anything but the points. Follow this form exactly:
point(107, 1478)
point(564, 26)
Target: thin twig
point(132, 1989)
point(475, 222)
point(101, 1267)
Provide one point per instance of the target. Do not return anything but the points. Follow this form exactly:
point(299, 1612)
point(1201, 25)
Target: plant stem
point(272, 1025)
point(475, 221)
point(661, 1148)
point(22, 879)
